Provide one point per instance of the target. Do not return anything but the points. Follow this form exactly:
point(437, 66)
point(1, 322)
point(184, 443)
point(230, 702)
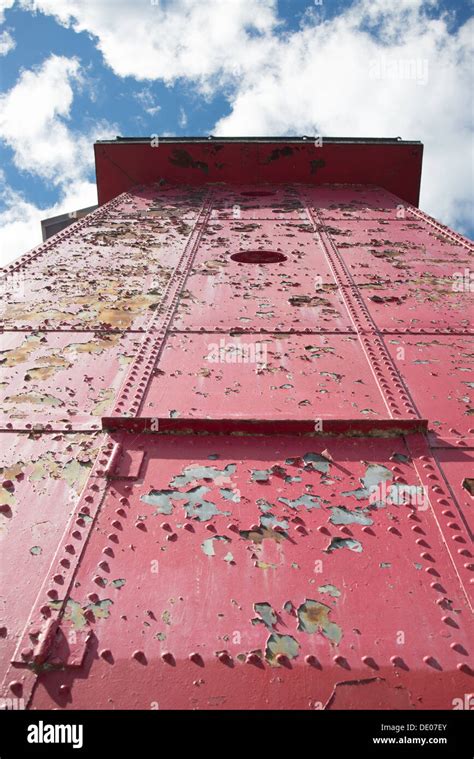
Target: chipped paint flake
point(281, 644)
point(350, 543)
point(313, 617)
point(341, 515)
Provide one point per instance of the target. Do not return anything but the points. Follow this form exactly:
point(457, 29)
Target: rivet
point(369, 661)
point(196, 658)
point(168, 657)
point(253, 659)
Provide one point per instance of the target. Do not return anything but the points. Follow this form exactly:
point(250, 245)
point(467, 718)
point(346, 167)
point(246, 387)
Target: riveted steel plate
point(353, 202)
point(264, 377)
point(111, 277)
point(265, 202)
point(424, 303)
point(407, 234)
point(168, 203)
point(457, 465)
point(441, 268)
point(40, 382)
point(298, 293)
point(258, 572)
point(41, 478)
point(438, 371)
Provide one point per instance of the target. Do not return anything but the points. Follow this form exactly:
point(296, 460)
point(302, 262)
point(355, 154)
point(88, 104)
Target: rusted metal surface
point(227, 577)
point(277, 511)
point(392, 163)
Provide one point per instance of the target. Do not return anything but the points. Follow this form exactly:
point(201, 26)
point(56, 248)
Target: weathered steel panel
point(394, 164)
point(104, 277)
point(67, 380)
point(247, 572)
point(278, 513)
point(438, 370)
point(297, 292)
point(316, 377)
point(41, 479)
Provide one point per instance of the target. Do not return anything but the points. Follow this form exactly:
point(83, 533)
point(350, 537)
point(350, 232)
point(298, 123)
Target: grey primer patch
point(317, 462)
point(264, 505)
point(375, 475)
point(36, 550)
point(230, 495)
point(268, 520)
point(193, 473)
point(118, 583)
point(418, 566)
point(208, 545)
point(268, 616)
point(196, 506)
point(310, 501)
point(281, 644)
point(341, 515)
point(161, 499)
point(313, 461)
point(350, 543)
point(260, 475)
point(313, 617)
point(330, 589)
point(385, 565)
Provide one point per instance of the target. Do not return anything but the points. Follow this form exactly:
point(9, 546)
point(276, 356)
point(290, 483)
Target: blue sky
point(75, 70)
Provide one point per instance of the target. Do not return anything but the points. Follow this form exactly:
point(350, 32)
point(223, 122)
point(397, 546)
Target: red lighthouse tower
point(237, 436)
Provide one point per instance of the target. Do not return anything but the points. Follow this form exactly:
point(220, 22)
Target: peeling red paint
point(237, 442)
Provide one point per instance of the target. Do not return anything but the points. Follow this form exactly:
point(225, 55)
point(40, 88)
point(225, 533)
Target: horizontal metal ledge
point(190, 426)
point(294, 139)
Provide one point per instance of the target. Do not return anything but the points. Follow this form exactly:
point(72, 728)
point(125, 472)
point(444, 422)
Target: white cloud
point(7, 43)
point(319, 78)
point(20, 221)
point(4, 6)
point(34, 123)
point(336, 79)
point(183, 119)
point(147, 100)
point(168, 40)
